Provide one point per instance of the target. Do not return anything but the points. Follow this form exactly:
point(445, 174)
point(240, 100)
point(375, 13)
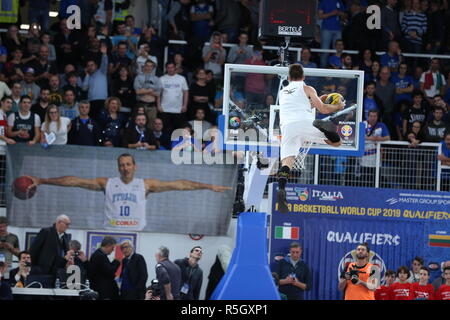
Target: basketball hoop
point(299, 162)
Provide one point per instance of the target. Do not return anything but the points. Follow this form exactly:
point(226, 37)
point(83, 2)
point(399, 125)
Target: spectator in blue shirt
point(330, 12)
point(371, 101)
point(124, 34)
point(201, 16)
point(392, 57)
point(403, 84)
point(335, 60)
point(96, 82)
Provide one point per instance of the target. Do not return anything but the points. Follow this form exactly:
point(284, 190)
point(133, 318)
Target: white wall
point(148, 243)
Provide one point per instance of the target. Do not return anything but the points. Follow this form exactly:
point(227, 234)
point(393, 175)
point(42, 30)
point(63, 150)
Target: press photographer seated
point(360, 279)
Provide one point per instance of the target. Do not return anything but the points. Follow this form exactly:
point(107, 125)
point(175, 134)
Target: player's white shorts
point(293, 135)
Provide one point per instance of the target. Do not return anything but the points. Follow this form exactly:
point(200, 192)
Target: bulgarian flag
point(437, 240)
point(288, 233)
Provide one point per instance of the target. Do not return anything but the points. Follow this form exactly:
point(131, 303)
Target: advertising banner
point(330, 221)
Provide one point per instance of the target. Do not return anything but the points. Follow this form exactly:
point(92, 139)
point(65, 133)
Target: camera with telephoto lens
point(354, 275)
point(75, 253)
point(156, 290)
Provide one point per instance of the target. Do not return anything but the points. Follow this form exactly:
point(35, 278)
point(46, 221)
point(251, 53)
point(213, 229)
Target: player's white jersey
point(125, 204)
point(294, 104)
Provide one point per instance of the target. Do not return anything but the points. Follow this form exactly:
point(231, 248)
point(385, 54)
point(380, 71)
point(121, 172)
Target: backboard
point(250, 107)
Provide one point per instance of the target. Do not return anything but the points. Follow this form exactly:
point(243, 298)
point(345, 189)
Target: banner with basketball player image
point(198, 211)
point(330, 221)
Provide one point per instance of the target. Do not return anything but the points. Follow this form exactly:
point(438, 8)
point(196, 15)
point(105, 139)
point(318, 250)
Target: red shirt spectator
point(383, 292)
point(420, 292)
point(443, 292)
point(401, 291)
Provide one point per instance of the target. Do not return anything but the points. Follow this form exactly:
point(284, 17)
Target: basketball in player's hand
point(21, 188)
point(332, 98)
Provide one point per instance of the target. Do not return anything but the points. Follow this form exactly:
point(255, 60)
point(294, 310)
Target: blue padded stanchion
point(248, 276)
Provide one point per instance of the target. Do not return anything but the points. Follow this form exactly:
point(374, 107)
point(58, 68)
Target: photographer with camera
point(360, 279)
point(74, 256)
point(18, 276)
point(153, 291)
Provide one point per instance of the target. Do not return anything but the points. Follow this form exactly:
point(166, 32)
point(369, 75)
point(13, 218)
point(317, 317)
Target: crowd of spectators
point(117, 70)
point(415, 283)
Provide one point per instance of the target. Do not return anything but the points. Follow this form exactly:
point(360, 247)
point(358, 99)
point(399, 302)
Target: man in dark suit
point(161, 136)
point(51, 245)
point(134, 273)
point(101, 272)
point(18, 276)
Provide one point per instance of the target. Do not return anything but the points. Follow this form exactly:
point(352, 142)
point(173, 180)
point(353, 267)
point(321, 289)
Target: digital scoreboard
point(287, 18)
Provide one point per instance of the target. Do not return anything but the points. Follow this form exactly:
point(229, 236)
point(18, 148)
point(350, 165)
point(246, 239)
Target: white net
point(299, 162)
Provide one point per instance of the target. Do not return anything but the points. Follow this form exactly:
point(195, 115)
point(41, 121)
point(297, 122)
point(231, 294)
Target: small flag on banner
point(289, 233)
point(437, 240)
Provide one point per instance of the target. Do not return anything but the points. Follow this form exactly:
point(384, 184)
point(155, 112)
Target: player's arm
point(153, 185)
point(319, 105)
point(96, 184)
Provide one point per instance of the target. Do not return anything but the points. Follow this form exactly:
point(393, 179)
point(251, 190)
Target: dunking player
point(298, 124)
point(125, 196)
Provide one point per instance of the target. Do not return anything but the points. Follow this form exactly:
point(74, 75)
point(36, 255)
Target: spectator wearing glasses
point(134, 273)
point(191, 274)
point(51, 245)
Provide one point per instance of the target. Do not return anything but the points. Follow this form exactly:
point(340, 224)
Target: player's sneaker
point(328, 128)
point(282, 203)
point(324, 125)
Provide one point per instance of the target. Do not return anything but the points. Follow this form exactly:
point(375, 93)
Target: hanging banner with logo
point(330, 221)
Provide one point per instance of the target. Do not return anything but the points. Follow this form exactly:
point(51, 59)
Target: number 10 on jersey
point(124, 211)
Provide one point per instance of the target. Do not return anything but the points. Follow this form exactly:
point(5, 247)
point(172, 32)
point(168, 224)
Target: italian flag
point(289, 233)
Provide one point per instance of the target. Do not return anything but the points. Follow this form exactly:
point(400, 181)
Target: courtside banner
point(201, 211)
point(330, 221)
